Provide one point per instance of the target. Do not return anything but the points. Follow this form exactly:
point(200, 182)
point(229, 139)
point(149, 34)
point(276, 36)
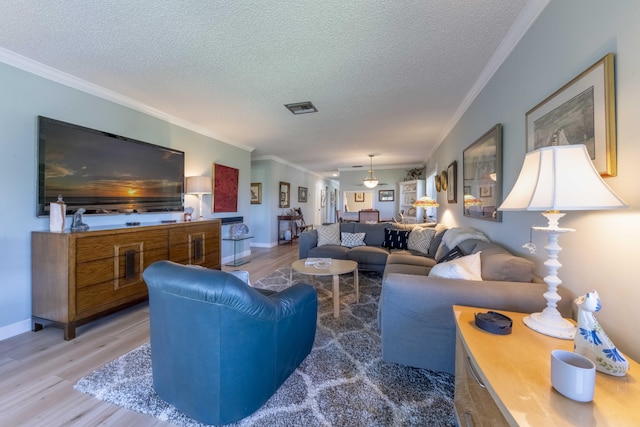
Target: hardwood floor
point(38, 369)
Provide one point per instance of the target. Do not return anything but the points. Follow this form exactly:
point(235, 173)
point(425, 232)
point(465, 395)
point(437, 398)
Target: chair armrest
point(294, 299)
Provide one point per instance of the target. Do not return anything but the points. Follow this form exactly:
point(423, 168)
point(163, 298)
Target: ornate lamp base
point(550, 325)
point(549, 321)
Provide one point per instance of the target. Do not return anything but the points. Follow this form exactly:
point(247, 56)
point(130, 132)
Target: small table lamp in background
point(425, 202)
point(553, 179)
point(199, 185)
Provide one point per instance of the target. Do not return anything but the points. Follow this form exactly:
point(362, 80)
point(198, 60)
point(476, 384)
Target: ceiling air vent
point(301, 107)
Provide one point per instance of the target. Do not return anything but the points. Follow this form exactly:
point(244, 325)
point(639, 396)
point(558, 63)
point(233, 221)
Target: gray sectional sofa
point(415, 315)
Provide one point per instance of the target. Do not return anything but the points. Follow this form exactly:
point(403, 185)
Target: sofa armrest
point(416, 318)
point(306, 241)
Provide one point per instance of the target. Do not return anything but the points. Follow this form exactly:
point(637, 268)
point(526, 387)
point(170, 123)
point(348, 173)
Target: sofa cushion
point(436, 240)
point(368, 255)
point(329, 234)
point(351, 240)
point(420, 239)
point(329, 251)
point(406, 258)
point(395, 239)
point(499, 264)
point(374, 232)
point(451, 255)
point(466, 267)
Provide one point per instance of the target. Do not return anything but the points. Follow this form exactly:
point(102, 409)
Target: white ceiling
point(388, 77)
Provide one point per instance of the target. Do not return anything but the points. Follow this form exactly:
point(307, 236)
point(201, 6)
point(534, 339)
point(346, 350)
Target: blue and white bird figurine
point(592, 342)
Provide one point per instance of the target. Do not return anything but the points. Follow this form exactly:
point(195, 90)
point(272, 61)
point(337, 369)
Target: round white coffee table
point(337, 267)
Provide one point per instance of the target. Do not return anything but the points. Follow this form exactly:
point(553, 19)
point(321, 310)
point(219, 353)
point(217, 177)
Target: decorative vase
point(592, 342)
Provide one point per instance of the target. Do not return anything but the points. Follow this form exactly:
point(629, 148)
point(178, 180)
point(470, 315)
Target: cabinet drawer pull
point(474, 374)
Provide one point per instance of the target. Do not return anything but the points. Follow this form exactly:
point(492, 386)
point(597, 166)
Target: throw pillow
point(467, 267)
point(436, 240)
point(451, 255)
point(395, 239)
point(420, 239)
point(351, 240)
point(329, 234)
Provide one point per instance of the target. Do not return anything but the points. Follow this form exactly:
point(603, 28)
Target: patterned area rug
point(343, 382)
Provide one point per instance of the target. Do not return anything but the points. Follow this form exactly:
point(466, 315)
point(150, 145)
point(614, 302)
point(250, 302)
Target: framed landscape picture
point(386, 195)
point(580, 112)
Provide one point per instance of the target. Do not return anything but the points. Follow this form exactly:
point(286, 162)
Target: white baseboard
point(15, 329)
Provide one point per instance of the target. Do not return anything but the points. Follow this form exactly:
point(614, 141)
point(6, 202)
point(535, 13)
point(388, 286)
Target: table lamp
point(425, 202)
point(199, 185)
point(554, 179)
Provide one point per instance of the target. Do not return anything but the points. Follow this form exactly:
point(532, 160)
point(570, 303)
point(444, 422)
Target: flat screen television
point(105, 173)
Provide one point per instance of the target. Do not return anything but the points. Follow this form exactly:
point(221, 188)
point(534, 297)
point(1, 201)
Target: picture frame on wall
point(225, 188)
point(580, 112)
point(386, 195)
point(452, 174)
point(482, 176)
point(256, 193)
point(359, 197)
point(302, 194)
point(284, 194)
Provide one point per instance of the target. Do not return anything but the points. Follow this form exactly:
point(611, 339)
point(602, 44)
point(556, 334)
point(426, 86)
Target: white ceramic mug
point(573, 375)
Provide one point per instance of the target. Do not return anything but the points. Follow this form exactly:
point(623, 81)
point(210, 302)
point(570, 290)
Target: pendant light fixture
point(370, 181)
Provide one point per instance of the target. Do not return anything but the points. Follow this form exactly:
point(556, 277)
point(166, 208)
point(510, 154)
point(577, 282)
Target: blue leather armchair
point(220, 348)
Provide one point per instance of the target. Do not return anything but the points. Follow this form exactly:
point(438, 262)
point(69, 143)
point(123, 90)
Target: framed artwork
point(284, 194)
point(452, 173)
point(580, 112)
point(386, 195)
point(359, 197)
point(256, 193)
point(302, 194)
point(482, 176)
point(225, 188)
point(323, 198)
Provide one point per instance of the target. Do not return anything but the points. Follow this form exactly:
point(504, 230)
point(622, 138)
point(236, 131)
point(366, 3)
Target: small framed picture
point(302, 194)
point(452, 174)
point(359, 197)
point(386, 195)
point(256, 193)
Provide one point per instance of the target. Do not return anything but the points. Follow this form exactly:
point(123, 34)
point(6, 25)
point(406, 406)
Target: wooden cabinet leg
point(69, 332)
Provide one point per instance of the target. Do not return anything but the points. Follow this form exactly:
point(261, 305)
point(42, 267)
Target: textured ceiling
point(387, 77)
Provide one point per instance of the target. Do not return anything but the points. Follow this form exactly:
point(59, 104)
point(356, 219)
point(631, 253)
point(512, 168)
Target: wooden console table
point(506, 380)
point(79, 277)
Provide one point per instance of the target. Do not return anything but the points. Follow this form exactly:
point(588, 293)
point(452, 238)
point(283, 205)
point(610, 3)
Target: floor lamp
point(554, 179)
point(199, 185)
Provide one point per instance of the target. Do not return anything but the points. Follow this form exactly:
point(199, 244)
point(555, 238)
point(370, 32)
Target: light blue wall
point(269, 172)
point(23, 97)
point(567, 38)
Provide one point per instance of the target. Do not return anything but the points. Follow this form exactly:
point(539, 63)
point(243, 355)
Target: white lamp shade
point(198, 185)
point(560, 178)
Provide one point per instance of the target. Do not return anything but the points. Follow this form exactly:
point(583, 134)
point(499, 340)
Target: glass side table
point(235, 239)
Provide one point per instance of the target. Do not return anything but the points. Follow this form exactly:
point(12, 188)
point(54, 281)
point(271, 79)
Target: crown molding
point(23, 63)
point(523, 22)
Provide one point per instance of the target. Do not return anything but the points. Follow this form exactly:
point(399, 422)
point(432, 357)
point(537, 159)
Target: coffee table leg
point(336, 296)
point(356, 284)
